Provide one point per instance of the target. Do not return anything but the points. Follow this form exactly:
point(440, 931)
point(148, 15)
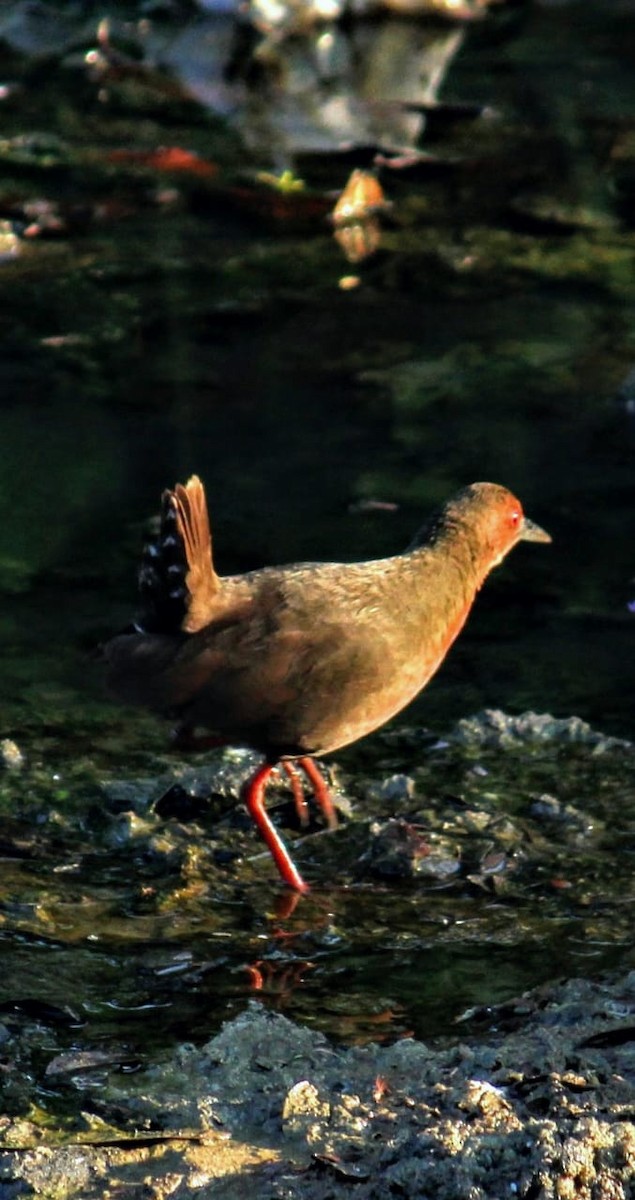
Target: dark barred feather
point(177, 581)
point(162, 575)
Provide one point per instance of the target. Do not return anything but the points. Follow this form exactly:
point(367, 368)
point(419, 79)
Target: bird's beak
point(530, 532)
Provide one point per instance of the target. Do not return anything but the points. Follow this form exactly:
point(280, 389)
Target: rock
point(11, 755)
point(496, 729)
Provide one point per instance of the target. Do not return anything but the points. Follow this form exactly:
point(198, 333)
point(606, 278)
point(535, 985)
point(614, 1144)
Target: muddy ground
point(541, 1105)
point(532, 1098)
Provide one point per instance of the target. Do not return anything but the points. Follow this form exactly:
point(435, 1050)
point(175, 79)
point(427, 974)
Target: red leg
point(301, 806)
point(320, 790)
point(255, 801)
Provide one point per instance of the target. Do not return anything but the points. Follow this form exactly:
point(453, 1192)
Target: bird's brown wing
point(202, 584)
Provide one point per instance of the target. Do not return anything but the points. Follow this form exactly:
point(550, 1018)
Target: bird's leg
point(299, 799)
point(255, 801)
point(320, 790)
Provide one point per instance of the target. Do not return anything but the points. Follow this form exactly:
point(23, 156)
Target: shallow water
point(488, 339)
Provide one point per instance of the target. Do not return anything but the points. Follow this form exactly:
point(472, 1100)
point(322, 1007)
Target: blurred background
point(173, 300)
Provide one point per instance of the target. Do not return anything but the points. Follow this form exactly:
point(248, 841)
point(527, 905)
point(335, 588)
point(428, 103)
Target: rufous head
point(495, 520)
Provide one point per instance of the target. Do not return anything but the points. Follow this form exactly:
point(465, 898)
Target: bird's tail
point(177, 580)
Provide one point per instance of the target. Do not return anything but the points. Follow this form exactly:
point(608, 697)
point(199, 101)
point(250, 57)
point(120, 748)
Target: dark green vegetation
point(157, 321)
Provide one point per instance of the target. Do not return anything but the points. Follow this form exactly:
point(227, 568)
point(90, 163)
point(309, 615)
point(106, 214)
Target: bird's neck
point(457, 554)
point(445, 576)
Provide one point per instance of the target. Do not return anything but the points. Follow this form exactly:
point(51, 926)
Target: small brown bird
point(300, 660)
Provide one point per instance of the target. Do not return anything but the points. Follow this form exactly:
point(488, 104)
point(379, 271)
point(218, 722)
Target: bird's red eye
point(514, 518)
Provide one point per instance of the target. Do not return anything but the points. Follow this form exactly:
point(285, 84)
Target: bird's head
point(494, 519)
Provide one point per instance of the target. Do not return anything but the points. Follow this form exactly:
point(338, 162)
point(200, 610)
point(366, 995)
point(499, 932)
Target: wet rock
point(551, 811)
point(396, 849)
point(61, 1173)
point(181, 803)
point(11, 755)
point(222, 777)
point(124, 795)
point(127, 828)
point(86, 1060)
point(396, 787)
point(475, 820)
point(302, 1111)
point(9, 242)
point(496, 729)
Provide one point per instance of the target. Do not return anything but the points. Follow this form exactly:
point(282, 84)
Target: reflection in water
point(166, 333)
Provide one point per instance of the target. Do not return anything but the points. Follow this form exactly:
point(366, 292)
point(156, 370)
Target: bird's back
point(306, 658)
point(300, 659)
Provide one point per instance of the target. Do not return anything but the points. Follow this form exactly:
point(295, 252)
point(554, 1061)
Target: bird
point(298, 661)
